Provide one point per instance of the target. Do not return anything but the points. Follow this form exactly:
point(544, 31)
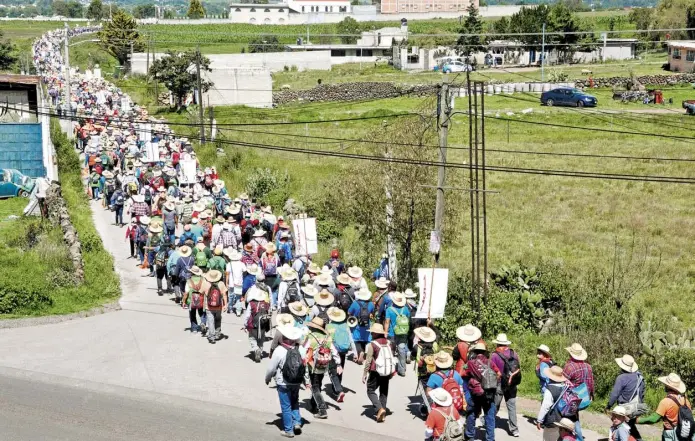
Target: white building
point(260, 14)
point(322, 6)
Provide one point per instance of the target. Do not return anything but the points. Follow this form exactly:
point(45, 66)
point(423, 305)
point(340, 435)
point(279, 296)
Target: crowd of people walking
point(216, 251)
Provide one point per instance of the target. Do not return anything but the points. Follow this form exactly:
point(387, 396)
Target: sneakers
point(297, 429)
point(322, 415)
point(381, 415)
point(341, 397)
point(287, 434)
point(515, 434)
point(257, 355)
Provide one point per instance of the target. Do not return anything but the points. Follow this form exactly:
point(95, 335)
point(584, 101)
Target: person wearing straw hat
point(154, 239)
point(308, 294)
point(256, 318)
point(215, 302)
point(362, 311)
point(620, 430)
point(284, 244)
point(345, 293)
point(507, 362)
point(668, 409)
point(234, 270)
point(194, 297)
point(578, 372)
point(397, 324)
point(628, 389)
point(443, 413)
point(467, 335)
point(161, 258)
point(183, 268)
point(139, 208)
point(187, 237)
point(227, 238)
point(545, 361)
point(95, 183)
point(270, 263)
point(217, 229)
point(295, 317)
point(173, 259)
point(217, 262)
point(447, 378)
point(320, 350)
point(356, 278)
point(548, 414)
point(288, 388)
point(565, 429)
point(201, 254)
point(344, 344)
point(322, 301)
point(324, 281)
point(196, 229)
point(117, 201)
point(483, 399)
point(378, 376)
point(141, 237)
point(289, 290)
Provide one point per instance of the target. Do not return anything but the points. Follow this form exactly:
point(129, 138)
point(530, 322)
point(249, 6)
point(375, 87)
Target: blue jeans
point(487, 406)
point(171, 232)
point(578, 430)
point(150, 259)
point(401, 342)
point(233, 299)
point(95, 192)
point(289, 404)
point(119, 213)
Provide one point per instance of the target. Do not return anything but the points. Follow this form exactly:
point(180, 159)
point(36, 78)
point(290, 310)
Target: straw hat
point(468, 333)
point(409, 294)
point(377, 328)
point(313, 268)
point(145, 220)
point(203, 215)
point(324, 298)
point(620, 411)
point(243, 196)
point(199, 206)
point(270, 248)
point(267, 209)
point(673, 381)
point(425, 334)
point(544, 348)
point(343, 279)
point(336, 314)
point(363, 294)
point(577, 352)
point(323, 280)
point(326, 270)
point(185, 251)
point(260, 233)
point(107, 174)
point(382, 283)
point(298, 309)
point(309, 290)
point(253, 270)
point(480, 346)
point(196, 271)
point(502, 340)
point(248, 247)
point(218, 250)
point(284, 320)
point(398, 299)
point(232, 210)
point(566, 424)
point(290, 332)
point(555, 374)
point(233, 254)
point(443, 360)
point(255, 294)
point(169, 205)
point(316, 323)
point(155, 228)
point(213, 276)
point(138, 198)
point(441, 397)
point(355, 272)
point(288, 275)
point(627, 363)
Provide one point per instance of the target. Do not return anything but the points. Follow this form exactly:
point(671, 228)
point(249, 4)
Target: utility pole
point(543, 55)
point(471, 91)
point(66, 63)
point(443, 116)
point(200, 96)
point(603, 54)
point(131, 58)
point(390, 243)
point(147, 70)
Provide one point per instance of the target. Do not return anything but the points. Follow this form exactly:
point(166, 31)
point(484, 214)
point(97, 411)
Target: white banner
point(433, 284)
point(151, 152)
point(187, 171)
point(305, 239)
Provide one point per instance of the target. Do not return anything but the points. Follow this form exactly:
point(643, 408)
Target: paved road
point(145, 348)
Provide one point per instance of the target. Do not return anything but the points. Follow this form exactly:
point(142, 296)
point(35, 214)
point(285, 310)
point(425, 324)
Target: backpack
point(292, 293)
point(207, 229)
point(294, 368)
point(452, 430)
point(185, 273)
point(214, 296)
point(426, 355)
point(196, 296)
point(201, 260)
point(341, 336)
point(208, 181)
point(110, 186)
point(450, 385)
point(120, 200)
point(322, 356)
point(323, 313)
point(384, 364)
point(511, 366)
point(344, 299)
point(258, 316)
point(142, 234)
point(402, 323)
point(95, 178)
point(160, 259)
point(484, 382)
point(148, 196)
point(568, 403)
point(686, 424)
point(270, 266)
point(364, 317)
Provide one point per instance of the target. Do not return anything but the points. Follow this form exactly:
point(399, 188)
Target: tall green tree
point(60, 7)
point(349, 30)
point(265, 43)
point(471, 40)
point(178, 73)
point(642, 18)
point(95, 10)
point(117, 36)
point(8, 55)
point(144, 11)
point(75, 9)
point(195, 10)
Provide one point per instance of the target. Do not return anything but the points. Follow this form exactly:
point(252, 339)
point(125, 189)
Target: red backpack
point(214, 297)
point(450, 385)
point(196, 295)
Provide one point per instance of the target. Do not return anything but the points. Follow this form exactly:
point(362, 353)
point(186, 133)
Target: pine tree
point(95, 10)
point(196, 10)
point(117, 36)
point(471, 41)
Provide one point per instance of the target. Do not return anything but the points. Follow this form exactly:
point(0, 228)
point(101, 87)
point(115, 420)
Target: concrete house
point(681, 55)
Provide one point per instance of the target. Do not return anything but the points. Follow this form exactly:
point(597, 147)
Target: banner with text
point(433, 283)
point(305, 239)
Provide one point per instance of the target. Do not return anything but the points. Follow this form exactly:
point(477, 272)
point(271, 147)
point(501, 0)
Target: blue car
point(566, 96)
point(13, 183)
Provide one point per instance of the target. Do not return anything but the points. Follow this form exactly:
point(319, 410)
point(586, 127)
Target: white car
point(457, 66)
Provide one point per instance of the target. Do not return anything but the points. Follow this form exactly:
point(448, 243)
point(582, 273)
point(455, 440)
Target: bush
point(263, 181)
point(17, 299)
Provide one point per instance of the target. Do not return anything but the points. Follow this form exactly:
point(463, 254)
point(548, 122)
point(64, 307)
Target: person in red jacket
point(483, 399)
point(130, 233)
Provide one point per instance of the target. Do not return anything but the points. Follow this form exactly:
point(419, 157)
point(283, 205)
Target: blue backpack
point(572, 400)
point(341, 336)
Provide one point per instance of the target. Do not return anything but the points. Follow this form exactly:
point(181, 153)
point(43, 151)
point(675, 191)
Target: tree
point(177, 71)
point(195, 10)
point(265, 43)
point(144, 11)
point(169, 14)
point(117, 36)
point(348, 29)
point(60, 7)
point(75, 9)
point(642, 18)
point(7, 53)
point(95, 10)
point(471, 39)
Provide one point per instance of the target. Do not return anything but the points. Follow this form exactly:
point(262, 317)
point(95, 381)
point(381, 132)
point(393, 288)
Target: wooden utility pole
point(200, 96)
point(443, 116)
point(66, 63)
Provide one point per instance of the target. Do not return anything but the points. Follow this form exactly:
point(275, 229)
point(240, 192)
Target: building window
point(690, 56)
point(331, 8)
point(252, 21)
point(282, 20)
point(237, 10)
point(281, 10)
point(676, 54)
point(266, 10)
point(337, 52)
point(266, 21)
point(302, 8)
point(253, 9)
point(365, 52)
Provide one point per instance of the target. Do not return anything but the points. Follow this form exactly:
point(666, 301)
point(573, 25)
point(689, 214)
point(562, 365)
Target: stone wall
point(58, 215)
point(656, 80)
point(353, 92)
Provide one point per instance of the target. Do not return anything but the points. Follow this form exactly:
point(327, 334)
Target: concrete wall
point(274, 61)
point(252, 87)
point(260, 16)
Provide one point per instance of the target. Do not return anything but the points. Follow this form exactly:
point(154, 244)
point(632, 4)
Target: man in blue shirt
point(362, 312)
point(398, 324)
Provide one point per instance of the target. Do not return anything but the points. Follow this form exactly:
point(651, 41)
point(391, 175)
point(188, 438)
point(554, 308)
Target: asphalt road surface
point(35, 410)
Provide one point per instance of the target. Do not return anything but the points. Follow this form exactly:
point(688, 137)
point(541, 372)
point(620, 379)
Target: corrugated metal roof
point(689, 44)
point(20, 79)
